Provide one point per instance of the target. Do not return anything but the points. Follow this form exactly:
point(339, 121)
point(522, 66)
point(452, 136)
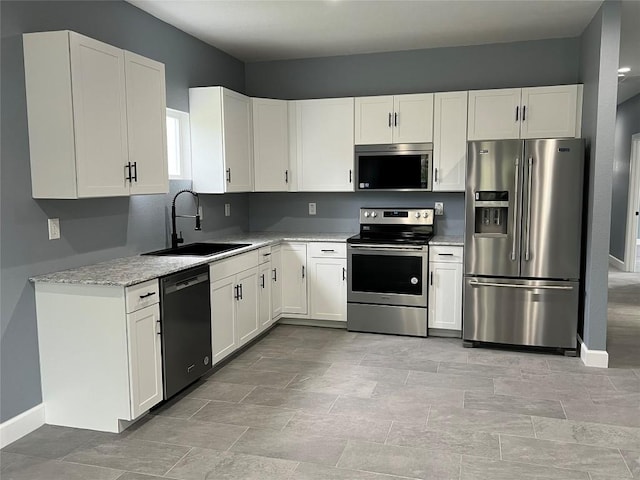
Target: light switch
point(439, 208)
point(227, 209)
point(312, 208)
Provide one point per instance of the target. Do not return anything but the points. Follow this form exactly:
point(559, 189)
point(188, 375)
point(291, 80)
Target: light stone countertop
point(128, 271)
point(449, 240)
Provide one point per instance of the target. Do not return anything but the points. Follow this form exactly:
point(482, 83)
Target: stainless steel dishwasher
point(185, 328)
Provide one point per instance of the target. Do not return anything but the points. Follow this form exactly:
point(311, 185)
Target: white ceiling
point(262, 30)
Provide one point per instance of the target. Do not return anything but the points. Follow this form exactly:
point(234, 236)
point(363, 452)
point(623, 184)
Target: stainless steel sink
point(198, 249)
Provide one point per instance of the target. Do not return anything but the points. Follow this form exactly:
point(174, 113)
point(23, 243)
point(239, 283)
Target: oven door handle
point(387, 247)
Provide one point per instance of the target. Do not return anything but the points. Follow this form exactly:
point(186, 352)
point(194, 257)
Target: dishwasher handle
point(176, 286)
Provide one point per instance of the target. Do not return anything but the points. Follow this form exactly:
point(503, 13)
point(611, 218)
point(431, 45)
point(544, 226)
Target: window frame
point(185, 144)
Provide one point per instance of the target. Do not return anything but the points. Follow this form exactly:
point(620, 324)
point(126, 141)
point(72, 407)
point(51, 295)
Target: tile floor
point(623, 326)
point(323, 404)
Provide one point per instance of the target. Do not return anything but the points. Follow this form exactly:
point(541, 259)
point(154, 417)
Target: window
point(178, 145)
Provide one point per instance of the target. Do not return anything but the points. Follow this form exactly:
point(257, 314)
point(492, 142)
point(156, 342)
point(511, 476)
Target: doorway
point(632, 239)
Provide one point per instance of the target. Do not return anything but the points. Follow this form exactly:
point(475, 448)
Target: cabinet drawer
point(445, 254)
point(264, 255)
point(233, 265)
point(325, 249)
point(142, 295)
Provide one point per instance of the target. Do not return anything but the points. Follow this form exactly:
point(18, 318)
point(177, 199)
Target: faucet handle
point(180, 239)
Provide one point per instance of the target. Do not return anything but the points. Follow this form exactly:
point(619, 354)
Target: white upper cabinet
point(539, 112)
point(450, 142)
point(270, 145)
point(324, 144)
point(551, 112)
point(93, 111)
point(221, 140)
point(394, 119)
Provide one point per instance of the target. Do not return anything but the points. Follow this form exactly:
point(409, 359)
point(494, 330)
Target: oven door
point(387, 274)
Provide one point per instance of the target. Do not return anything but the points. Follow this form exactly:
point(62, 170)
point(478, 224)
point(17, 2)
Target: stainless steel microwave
point(395, 167)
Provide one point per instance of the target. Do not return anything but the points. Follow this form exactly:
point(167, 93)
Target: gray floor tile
point(226, 392)
point(461, 420)
point(245, 415)
point(439, 355)
point(578, 366)
point(587, 433)
point(401, 461)
point(627, 384)
point(571, 456)
point(252, 377)
point(290, 445)
point(384, 408)
point(183, 407)
point(444, 380)
point(537, 389)
point(289, 398)
point(131, 455)
point(189, 433)
point(14, 466)
point(616, 399)
point(632, 459)
point(566, 380)
point(511, 404)
point(421, 395)
point(511, 359)
point(392, 376)
point(328, 355)
point(479, 444)
point(491, 371)
point(138, 476)
point(334, 385)
point(289, 365)
point(50, 441)
point(587, 411)
point(355, 428)
point(202, 464)
point(311, 471)
point(475, 468)
point(401, 362)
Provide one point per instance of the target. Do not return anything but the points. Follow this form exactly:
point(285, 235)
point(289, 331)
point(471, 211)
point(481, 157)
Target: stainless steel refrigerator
point(522, 242)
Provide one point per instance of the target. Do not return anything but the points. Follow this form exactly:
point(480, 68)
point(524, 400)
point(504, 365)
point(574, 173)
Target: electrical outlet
point(227, 209)
point(312, 208)
point(54, 228)
point(439, 208)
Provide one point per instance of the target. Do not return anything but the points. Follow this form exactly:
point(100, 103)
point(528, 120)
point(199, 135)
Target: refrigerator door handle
point(527, 251)
point(515, 212)
point(514, 285)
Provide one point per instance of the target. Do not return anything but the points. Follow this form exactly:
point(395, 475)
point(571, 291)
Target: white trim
point(594, 358)
point(633, 205)
point(185, 144)
point(615, 262)
point(21, 425)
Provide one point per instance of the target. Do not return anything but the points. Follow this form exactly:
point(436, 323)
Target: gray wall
point(627, 124)
point(520, 64)
point(94, 229)
point(338, 212)
point(598, 71)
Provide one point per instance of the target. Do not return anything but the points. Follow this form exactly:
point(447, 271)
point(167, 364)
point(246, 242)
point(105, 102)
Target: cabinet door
point(374, 120)
point(270, 145)
point(494, 114)
point(247, 306)
point(276, 281)
point(445, 296)
point(549, 112)
point(328, 288)
point(450, 142)
point(147, 124)
point(264, 296)
point(413, 118)
point(294, 278)
point(236, 111)
point(325, 144)
point(145, 359)
point(223, 320)
point(100, 117)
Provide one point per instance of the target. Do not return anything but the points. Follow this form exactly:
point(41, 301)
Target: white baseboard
point(21, 425)
point(616, 263)
point(594, 358)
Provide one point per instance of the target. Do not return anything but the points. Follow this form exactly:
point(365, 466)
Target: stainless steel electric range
point(388, 271)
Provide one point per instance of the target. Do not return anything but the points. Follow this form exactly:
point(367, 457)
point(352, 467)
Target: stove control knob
point(417, 214)
point(374, 214)
point(366, 214)
point(425, 214)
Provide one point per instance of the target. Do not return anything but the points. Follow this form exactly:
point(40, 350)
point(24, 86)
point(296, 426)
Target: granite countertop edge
point(128, 271)
point(449, 240)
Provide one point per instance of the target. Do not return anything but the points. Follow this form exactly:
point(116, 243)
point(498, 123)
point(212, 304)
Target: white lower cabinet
point(100, 353)
point(247, 306)
point(328, 288)
point(223, 325)
point(276, 281)
point(445, 288)
point(294, 278)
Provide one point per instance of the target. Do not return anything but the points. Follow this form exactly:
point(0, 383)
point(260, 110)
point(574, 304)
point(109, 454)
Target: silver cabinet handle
point(527, 252)
point(515, 211)
point(514, 285)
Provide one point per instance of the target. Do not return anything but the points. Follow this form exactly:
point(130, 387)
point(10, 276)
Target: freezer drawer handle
point(513, 285)
point(515, 211)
